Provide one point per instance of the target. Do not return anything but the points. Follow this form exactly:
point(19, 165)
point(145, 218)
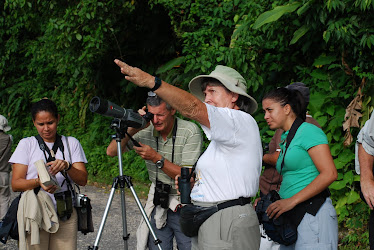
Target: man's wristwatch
point(160, 163)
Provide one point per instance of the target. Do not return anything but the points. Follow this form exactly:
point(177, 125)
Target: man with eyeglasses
point(166, 145)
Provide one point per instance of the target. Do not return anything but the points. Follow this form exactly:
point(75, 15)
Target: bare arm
point(148, 153)
point(271, 158)
point(366, 177)
point(323, 161)
point(187, 104)
point(20, 184)
point(78, 173)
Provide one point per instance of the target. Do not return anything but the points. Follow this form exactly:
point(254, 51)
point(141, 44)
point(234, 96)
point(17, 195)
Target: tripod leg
point(124, 223)
point(157, 241)
point(106, 211)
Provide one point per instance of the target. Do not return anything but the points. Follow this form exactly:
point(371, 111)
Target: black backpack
point(9, 227)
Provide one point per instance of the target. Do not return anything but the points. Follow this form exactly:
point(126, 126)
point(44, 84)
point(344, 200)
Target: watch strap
point(157, 84)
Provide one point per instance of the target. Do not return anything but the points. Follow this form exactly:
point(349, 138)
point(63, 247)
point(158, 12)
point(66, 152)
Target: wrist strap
point(157, 84)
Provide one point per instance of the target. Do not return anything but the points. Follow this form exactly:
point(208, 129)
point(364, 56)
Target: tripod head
point(121, 131)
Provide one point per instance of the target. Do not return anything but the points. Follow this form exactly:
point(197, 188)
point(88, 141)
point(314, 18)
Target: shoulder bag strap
point(173, 142)
point(65, 174)
point(67, 144)
point(296, 124)
point(291, 134)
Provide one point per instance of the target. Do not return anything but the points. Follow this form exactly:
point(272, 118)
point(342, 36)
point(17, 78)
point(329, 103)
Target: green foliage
point(64, 50)
point(274, 14)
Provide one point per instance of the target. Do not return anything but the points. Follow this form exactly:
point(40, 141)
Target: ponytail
point(289, 96)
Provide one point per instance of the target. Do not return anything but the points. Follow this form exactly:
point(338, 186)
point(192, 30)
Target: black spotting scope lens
point(98, 105)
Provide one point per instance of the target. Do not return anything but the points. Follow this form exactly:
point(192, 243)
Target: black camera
point(280, 230)
point(264, 203)
point(185, 185)
point(81, 200)
point(161, 196)
point(148, 116)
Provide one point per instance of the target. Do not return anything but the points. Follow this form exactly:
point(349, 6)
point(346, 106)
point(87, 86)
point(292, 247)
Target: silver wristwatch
point(160, 163)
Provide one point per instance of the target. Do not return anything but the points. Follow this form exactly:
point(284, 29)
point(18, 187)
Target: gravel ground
point(111, 237)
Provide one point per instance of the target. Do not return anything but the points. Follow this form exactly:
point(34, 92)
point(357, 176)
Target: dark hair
point(288, 96)
point(46, 105)
point(243, 102)
point(212, 82)
point(156, 101)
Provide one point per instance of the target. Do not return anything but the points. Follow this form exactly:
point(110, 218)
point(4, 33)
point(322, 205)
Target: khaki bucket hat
point(230, 78)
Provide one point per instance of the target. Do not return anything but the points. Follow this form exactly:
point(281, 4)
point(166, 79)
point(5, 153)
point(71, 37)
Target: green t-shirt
point(299, 170)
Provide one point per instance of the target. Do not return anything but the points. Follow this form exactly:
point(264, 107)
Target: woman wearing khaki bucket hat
point(227, 173)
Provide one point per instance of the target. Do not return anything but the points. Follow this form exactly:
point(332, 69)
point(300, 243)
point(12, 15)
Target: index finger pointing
point(120, 63)
point(125, 68)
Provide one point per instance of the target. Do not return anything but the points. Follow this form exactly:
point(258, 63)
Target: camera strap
point(64, 205)
point(291, 134)
point(51, 152)
point(175, 128)
point(70, 187)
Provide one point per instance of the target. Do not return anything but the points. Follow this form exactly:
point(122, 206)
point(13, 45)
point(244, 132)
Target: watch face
point(160, 163)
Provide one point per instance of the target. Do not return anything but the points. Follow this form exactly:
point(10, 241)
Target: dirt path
point(112, 235)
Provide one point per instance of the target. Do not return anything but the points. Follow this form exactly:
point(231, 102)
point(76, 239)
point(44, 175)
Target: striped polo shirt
point(187, 147)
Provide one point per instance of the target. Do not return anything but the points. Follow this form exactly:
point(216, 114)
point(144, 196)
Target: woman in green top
point(307, 172)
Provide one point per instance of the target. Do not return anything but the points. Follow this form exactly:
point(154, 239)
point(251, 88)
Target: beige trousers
point(64, 239)
point(232, 228)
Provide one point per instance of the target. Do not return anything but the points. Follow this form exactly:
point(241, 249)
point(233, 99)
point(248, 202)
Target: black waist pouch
point(192, 217)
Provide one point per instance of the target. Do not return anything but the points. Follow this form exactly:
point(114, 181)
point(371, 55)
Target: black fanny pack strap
point(240, 201)
point(193, 216)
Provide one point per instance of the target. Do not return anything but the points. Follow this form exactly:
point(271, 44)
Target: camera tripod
point(121, 180)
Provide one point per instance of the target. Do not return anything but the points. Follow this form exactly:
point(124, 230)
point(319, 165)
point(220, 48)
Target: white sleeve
point(76, 151)
point(366, 138)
